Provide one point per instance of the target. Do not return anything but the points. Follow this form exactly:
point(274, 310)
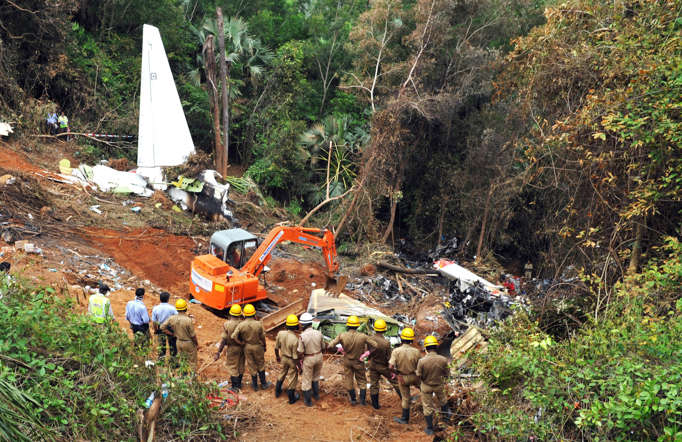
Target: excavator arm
point(321, 238)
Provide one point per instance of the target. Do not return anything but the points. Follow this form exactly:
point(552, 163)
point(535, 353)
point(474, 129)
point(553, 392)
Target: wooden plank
point(275, 319)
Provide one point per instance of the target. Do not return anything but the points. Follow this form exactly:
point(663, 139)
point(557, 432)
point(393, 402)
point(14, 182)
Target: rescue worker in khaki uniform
point(310, 347)
point(353, 345)
point(404, 361)
point(432, 370)
point(234, 355)
point(286, 353)
point(379, 354)
point(182, 328)
point(251, 335)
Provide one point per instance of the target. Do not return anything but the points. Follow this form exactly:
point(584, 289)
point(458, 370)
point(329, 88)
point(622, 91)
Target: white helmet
point(306, 319)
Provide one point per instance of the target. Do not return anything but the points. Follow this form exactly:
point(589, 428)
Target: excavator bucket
point(335, 284)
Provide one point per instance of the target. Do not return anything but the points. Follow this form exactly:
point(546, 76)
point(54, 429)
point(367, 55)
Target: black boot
point(254, 382)
point(429, 425)
point(406, 417)
point(293, 396)
point(363, 396)
point(307, 398)
point(239, 380)
point(264, 385)
point(278, 388)
point(234, 381)
point(351, 394)
point(375, 400)
point(445, 414)
point(316, 390)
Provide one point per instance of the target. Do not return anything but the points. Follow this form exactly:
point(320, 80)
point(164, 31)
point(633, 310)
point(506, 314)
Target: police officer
point(353, 345)
point(286, 353)
point(99, 306)
point(160, 313)
point(234, 355)
point(251, 335)
point(310, 347)
point(182, 328)
point(404, 361)
point(432, 370)
point(379, 354)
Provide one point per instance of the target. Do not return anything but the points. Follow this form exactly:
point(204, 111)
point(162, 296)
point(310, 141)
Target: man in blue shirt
point(160, 313)
point(137, 315)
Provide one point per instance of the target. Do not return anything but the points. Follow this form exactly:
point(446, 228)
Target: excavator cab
point(235, 246)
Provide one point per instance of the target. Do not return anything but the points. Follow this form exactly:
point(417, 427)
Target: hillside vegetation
point(532, 130)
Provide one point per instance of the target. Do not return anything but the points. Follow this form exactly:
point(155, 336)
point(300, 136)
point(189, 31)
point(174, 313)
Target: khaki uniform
point(234, 355)
point(286, 344)
point(432, 370)
point(251, 333)
point(354, 344)
point(311, 345)
point(405, 359)
point(183, 329)
point(378, 363)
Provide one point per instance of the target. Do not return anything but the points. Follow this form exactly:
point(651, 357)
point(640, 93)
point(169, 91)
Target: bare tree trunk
point(483, 223)
point(209, 61)
point(441, 220)
point(636, 248)
point(223, 81)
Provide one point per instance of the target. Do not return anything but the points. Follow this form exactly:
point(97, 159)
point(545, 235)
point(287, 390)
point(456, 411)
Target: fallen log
point(399, 269)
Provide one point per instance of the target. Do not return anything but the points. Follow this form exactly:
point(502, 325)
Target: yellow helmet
point(292, 321)
point(380, 325)
point(236, 310)
point(249, 310)
point(181, 305)
point(430, 341)
point(407, 334)
point(353, 321)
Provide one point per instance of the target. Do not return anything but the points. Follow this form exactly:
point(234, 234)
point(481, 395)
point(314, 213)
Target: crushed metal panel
point(465, 277)
point(471, 339)
point(279, 317)
point(332, 312)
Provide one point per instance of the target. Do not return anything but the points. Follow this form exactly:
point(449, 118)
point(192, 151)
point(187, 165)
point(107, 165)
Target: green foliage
point(619, 379)
point(86, 378)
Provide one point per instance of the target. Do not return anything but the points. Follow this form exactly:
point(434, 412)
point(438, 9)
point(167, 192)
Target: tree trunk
point(636, 249)
point(483, 223)
point(209, 62)
point(223, 82)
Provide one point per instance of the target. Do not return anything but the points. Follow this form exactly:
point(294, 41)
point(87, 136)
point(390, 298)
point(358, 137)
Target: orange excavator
point(229, 273)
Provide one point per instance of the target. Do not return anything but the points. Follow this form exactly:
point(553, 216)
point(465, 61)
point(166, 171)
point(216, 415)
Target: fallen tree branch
point(399, 269)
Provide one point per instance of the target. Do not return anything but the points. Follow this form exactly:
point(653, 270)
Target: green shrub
point(87, 378)
point(618, 379)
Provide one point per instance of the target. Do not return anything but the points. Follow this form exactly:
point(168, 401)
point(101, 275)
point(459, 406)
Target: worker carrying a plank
point(138, 317)
point(99, 305)
point(310, 346)
point(234, 355)
point(379, 354)
point(286, 353)
point(404, 361)
point(160, 313)
point(181, 327)
point(251, 335)
point(432, 371)
point(353, 344)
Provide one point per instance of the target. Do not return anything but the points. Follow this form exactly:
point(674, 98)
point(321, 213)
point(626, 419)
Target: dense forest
point(531, 130)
